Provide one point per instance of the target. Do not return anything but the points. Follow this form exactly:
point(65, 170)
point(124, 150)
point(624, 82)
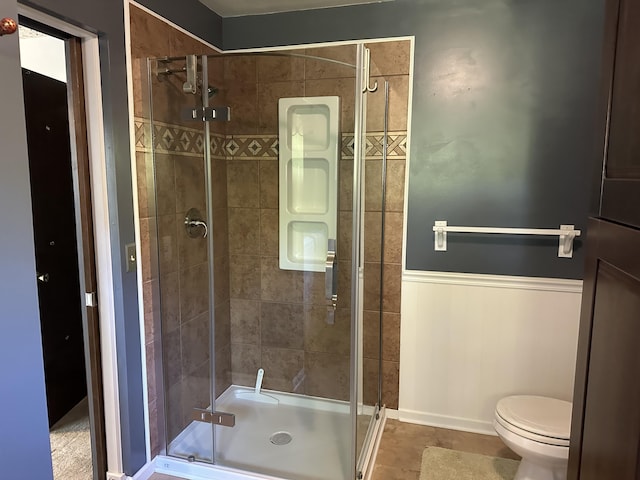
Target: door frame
point(89, 49)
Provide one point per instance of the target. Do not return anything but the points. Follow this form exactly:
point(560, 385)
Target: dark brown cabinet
point(621, 113)
point(605, 429)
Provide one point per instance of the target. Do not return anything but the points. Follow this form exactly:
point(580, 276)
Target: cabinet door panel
point(620, 194)
point(605, 429)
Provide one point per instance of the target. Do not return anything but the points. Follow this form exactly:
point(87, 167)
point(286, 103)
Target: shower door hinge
point(206, 114)
point(217, 418)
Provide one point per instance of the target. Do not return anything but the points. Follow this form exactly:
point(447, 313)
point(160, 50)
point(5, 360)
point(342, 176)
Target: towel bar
point(566, 235)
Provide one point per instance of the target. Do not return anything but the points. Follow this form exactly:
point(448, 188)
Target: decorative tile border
point(180, 140)
point(175, 139)
point(252, 146)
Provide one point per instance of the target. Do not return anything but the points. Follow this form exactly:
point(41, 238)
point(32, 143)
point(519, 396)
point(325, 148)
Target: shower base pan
point(300, 438)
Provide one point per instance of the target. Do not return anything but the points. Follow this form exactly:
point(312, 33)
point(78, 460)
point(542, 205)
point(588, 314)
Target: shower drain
point(280, 438)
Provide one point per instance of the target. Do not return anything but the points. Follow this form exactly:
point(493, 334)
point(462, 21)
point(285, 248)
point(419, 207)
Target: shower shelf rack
point(566, 235)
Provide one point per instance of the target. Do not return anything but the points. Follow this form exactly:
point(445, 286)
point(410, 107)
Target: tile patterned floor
point(400, 453)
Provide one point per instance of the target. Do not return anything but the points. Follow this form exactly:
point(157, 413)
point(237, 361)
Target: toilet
point(537, 429)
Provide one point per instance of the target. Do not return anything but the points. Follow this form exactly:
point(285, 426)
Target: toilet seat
point(541, 419)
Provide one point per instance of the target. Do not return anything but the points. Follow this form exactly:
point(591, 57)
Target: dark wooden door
point(620, 197)
point(56, 250)
point(605, 428)
point(605, 437)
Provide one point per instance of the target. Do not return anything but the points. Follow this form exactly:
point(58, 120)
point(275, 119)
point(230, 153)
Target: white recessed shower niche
point(309, 144)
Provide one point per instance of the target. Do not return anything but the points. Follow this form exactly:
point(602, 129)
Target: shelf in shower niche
point(309, 139)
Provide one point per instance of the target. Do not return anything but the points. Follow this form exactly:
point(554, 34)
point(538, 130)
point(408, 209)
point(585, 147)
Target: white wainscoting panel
point(468, 340)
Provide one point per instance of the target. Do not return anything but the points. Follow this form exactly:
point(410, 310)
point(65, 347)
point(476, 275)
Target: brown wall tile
point(390, 383)
point(244, 231)
point(149, 35)
point(194, 291)
point(281, 366)
point(240, 69)
point(280, 68)
point(244, 277)
point(269, 183)
point(165, 186)
point(345, 195)
point(391, 337)
point(393, 237)
point(279, 285)
point(315, 69)
point(190, 184)
point(372, 236)
point(398, 106)
point(196, 391)
point(327, 375)
point(395, 185)
point(370, 369)
point(245, 362)
point(269, 232)
point(219, 183)
point(167, 244)
point(148, 249)
point(151, 302)
point(341, 87)
point(268, 96)
point(371, 299)
point(345, 233)
point(314, 288)
point(171, 354)
point(170, 302)
point(390, 58)
point(245, 321)
point(319, 336)
point(282, 325)
point(371, 334)
point(391, 287)
point(243, 100)
point(373, 185)
point(195, 335)
point(344, 284)
point(243, 183)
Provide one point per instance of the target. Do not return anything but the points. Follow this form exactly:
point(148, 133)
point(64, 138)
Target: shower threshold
point(299, 438)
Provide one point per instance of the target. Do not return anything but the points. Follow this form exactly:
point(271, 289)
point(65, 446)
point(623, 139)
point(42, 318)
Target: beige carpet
point(71, 445)
point(445, 464)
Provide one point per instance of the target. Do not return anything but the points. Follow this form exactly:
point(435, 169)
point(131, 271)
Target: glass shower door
point(286, 176)
point(178, 229)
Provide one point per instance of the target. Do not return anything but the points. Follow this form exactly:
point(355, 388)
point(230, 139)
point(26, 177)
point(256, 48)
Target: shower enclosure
point(257, 178)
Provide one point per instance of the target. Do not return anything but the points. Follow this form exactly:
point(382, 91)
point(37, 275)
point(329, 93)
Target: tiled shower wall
point(389, 61)
point(272, 325)
point(265, 316)
point(278, 316)
point(175, 266)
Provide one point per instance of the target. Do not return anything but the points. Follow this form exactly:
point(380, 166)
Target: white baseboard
point(392, 414)
point(443, 421)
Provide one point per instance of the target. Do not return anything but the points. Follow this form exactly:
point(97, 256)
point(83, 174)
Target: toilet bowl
point(537, 429)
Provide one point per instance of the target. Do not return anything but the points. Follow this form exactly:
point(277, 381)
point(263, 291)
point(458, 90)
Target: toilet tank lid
point(542, 415)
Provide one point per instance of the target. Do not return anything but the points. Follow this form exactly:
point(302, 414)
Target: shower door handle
point(331, 280)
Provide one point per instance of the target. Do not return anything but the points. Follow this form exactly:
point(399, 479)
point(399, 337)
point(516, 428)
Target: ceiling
point(234, 8)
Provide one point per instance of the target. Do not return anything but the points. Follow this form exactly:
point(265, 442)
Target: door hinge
point(91, 299)
point(217, 418)
point(207, 114)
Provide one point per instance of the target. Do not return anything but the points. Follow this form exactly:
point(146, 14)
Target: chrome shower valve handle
point(194, 224)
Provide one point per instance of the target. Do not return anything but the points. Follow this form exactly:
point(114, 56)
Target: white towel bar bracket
point(566, 235)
